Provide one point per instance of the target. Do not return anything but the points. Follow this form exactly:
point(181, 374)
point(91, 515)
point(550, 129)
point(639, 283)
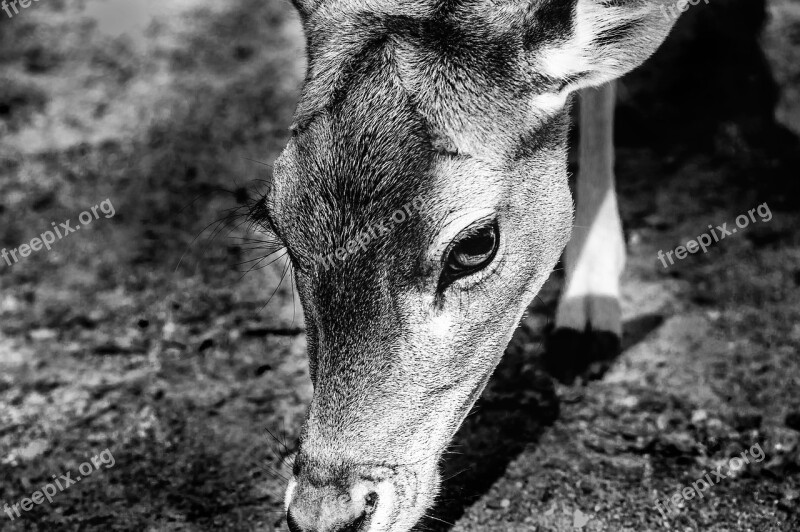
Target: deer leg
point(588, 321)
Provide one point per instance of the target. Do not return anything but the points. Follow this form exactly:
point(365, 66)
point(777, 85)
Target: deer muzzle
point(354, 498)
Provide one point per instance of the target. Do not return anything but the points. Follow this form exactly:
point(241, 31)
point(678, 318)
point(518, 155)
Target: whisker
point(454, 475)
point(283, 275)
point(440, 520)
point(257, 162)
point(257, 266)
point(273, 472)
point(281, 443)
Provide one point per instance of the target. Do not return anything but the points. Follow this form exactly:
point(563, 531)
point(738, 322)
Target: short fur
point(462, 102)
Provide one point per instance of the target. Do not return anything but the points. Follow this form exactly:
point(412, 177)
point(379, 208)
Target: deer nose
point(331, 508)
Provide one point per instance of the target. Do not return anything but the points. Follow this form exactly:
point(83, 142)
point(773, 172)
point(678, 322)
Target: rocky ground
point(144, 333)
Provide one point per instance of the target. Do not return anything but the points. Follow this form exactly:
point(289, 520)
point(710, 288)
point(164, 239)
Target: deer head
point(454, 113)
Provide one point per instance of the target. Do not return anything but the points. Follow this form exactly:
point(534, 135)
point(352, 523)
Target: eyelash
point(259, 221)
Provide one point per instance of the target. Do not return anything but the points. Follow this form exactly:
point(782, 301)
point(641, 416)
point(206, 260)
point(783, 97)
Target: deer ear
point(603, 39)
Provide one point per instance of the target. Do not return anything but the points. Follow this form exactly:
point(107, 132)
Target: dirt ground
point(144, 333)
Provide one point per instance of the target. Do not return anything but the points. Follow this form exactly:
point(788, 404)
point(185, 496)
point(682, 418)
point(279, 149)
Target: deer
point(465, 104)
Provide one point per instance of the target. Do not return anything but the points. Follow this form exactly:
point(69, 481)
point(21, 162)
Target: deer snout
point(339, 505)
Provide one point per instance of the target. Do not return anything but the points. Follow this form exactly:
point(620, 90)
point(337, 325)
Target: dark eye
point(470, 252)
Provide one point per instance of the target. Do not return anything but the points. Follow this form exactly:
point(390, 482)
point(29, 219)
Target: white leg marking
point(595, 256)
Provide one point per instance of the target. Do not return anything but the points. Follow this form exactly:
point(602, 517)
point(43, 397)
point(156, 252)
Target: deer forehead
point(472, 71)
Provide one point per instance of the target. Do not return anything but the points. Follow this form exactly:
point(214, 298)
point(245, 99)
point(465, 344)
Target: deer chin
point(407, 500)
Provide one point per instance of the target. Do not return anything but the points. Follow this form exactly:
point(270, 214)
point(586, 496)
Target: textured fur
point(465, 104)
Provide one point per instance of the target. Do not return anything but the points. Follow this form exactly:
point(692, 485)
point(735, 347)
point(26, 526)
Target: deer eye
point(471, 251)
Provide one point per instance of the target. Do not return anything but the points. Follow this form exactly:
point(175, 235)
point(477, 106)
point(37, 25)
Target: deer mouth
point(384, 499)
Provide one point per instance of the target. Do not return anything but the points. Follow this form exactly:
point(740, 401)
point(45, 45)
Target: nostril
point(292, 524)
point(357, 525)
point(371, 502)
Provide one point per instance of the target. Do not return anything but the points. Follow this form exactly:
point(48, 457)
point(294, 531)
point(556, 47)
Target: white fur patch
point(287, 501)
point(550, 103)
point(565, 60)
point(599, 63)
point(381, 519)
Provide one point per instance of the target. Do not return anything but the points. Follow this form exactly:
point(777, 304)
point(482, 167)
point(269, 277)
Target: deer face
point(423, 202)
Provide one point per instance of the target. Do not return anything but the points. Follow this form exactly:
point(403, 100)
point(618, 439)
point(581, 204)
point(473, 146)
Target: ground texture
point(140, 333)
